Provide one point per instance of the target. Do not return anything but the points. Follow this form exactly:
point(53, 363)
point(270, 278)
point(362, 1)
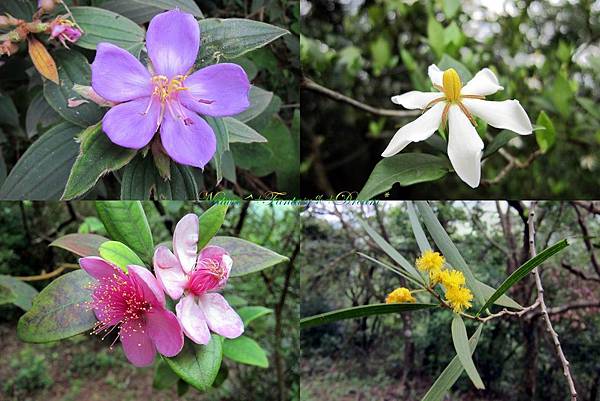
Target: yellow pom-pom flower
point(452, 278)
point(459, 298)
point(430, 261)
point(399, 295)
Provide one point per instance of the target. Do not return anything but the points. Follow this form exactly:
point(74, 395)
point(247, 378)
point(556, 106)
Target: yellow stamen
point(452, 85)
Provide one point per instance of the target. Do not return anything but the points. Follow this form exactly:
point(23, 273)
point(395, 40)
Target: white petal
point(436, 75)
point(415, 99)
point(508, 114)
point(464, 147)
point(483, 83)
point(415, 131)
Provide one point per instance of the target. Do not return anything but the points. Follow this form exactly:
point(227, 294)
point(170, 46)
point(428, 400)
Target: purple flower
point(167, 95)
point(65, 31)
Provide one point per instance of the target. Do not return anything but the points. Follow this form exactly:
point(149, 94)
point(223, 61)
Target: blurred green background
point(546, 54)
point(399, 356)
point(83, 367)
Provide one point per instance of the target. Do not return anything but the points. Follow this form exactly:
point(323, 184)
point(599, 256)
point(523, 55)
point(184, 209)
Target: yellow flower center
point(165, 88)
point(452, 85)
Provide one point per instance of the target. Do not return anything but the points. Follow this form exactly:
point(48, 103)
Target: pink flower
point(65, 31)
point(134, 303)
point(195, 278)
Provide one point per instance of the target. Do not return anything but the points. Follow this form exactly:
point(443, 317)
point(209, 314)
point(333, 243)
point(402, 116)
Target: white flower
point(456, 104)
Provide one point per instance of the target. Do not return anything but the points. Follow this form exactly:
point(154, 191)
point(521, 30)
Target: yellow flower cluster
point(399, 295)
point(433, 263)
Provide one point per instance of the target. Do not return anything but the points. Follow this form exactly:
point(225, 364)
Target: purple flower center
point(209, 274)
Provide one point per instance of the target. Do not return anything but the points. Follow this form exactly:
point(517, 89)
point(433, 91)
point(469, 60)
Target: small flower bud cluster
point(399, 295)
point(65, 31)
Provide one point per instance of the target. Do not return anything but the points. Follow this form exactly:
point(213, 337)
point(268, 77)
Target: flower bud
point(4, 21)
point(46, 5)
point(65, 31)
point(7, 47)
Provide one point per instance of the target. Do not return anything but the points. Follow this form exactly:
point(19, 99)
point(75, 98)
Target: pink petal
point(164, 329)
point(118, 76)
point(97, 267)
point(173, 41)
point(187, 138)
point(146, 284)
point(192, 320)
point(185, 241)
point(218, 90)
point(132, 124)
point(221, 317)
point(169, 273)
point(137, 345)
point(217, 253)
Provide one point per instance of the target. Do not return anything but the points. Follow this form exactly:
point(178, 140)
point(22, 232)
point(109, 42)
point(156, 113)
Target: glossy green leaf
point(405, 169)
point(164, 377)
point(233, 37)
point(251, 313)
point(119, 254)
point(22, 9)
point(101, 25)
point(73, 68)
point(259, 101)
point(498, 142)
point(97, 157)
point(59, 311)
point(361, 311)
point(40, 116)
point(545, 137)
point(126, 222)
point(240, 132)
point(80, 244)
point(21, 293)
point(450, 375)
point(210, 222)
point(247, 256)
point(463, 350)
point(245, 350)
point(524, 270)
point(197, 364)
point(42, 171)
point(449, 62)
point(142, 11)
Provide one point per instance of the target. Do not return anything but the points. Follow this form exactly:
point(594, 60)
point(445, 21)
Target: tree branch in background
point(46, 276)
point(513, 163)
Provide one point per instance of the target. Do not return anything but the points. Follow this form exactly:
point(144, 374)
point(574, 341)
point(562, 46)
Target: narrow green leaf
point(251, 313)
point(451, 374)
point(393, 269)
point(448, 249)
point(80, 244)
point(59, 311)
point(504, 300)
point(524, 270)
point(545, 137)
point(22, 294)
point(461, 345)
point(119, 254)
point(405, 169)
point(247, 257)
point(97, 157)
point(361, 311)
point(222, 134)
point(498, 142)
point(100, 25)
point(197, 364)
point(420, 236)
point(245, 350)
point(210, 223)
point(241, 133)
point(126, 222)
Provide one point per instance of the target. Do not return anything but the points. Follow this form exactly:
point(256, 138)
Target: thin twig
point(545, 314)
point(513, 163)
point(45, 276)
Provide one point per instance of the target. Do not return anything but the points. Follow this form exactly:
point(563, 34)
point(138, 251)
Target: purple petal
point(137, 345)
point(118, 76)
point(129, 125)
point(147, 284)
point(192, 320)
point(221, 318)
point(218, 90)
point(164, 330)
point(188, 139)
point(173, 41)
point(169, 273)
point(97, 267)
point(185, 241)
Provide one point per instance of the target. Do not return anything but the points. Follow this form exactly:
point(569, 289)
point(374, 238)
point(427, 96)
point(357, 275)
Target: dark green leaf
point(463, 351)
point(119, 254)
point(21, 293)
point(250, 313)
point(197, 364)
point(22, 9)
point(8, 112)
point(498, 142)
point(59, 311)
point(210, 223)
point(240, 132)
point(259, 101)
point(142, 11)
point(39, 116)
point(164, 377)
point(106, 26)
point(222, 135)
point(247, 257)
point(449, 62)
point(80, 244)
point(245, 350)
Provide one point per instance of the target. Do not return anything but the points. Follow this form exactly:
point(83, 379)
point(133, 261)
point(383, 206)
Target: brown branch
point(315, 87)
point(53, 273)
point(513, 163)
point(579, 273)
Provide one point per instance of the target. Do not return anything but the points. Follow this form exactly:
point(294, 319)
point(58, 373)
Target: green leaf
point(248, 257)
point(451, 7)
point(420, 236)
point(73, 68)
point(405, 169)
point(504, 300)
point(451, 374)
point(233, 37)
point(259, 101)
point(235, 300)
point(448, 249)
point(361, 311)
point(461, 345)
point(106, 26)
point(119, 254)
point(498, 142)
point(197, 364)
point(221, 376)
point(97, 157)
point(590, 106)
point(40, 116)
point(250, 313)
point(59, 311)
point(126, 222)
point(210, 223)
point(561, 95)
point(80, 244)
point(245, 350)
point(381, 54)
point(545, 137)
point(222, 135)
point(42, 171)
point(435, 36)
point(142, 11)
point(21, 293)
point(21, 9)
point(390, 251)
point(241, 133)
point(449, 62)
point(8, 111)
point(164, 377)
point(524, 270)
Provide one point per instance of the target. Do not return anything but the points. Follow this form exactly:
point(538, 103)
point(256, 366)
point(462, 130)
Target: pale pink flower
point(194, 278)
